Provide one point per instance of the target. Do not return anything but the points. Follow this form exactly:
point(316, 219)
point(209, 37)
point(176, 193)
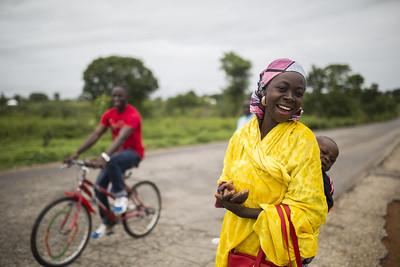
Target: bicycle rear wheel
point(61, 232)
point(144, 209)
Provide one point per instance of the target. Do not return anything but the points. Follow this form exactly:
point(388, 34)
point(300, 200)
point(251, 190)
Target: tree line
point(338, 92)
point(332, 91)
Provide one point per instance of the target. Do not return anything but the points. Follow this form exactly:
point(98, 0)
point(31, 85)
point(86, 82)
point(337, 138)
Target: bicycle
point(62, 230)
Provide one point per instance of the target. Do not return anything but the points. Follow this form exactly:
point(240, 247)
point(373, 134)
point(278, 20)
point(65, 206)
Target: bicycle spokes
point(69, 232)
point(61, 232)
point(143, 209)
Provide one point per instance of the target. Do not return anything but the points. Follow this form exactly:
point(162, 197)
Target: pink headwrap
point(275, 68)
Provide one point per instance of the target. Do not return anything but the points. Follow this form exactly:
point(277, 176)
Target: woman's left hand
point(241, 211)
point(231, 206)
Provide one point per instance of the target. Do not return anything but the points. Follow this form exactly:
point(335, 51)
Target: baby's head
point(329, 151)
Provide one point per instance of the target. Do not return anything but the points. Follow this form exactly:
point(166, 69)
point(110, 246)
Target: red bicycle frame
point(83, 187)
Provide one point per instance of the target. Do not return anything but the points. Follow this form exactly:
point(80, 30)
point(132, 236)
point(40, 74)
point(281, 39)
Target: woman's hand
point(241, 211)
point(231, 200)
point(232, 207)
point(226, 191)
point(240, 197)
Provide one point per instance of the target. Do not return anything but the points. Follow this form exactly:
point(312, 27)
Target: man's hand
point(97, 163)
point(69, 159)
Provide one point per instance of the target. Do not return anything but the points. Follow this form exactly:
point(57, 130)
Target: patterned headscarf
point(275, 68)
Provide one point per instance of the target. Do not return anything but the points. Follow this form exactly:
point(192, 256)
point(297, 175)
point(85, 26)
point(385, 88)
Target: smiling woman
point(273, 161)
point(283, 100)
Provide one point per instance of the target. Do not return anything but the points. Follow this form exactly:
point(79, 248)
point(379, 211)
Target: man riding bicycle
point(125, 152)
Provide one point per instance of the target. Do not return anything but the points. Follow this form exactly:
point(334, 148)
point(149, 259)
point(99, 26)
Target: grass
point(23, 140)
point(40, 133)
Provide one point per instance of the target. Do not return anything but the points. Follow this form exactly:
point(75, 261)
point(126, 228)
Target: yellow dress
point(283, 167)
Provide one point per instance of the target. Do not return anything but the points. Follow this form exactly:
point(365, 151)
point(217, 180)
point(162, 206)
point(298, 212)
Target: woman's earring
point(298, 114)
point(264, 101)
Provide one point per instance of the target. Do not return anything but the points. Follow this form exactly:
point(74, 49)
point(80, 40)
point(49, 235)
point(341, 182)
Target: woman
point(275, 158)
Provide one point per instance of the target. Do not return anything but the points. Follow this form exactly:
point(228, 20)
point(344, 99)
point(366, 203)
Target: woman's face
point(284, 96)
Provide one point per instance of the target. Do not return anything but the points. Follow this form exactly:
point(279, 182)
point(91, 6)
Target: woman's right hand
point(226, 192)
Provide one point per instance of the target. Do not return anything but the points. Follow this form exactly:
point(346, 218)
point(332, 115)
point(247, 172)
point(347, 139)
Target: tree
point(104, 73)
point(354, 84)
point(38, 97)
point(183, 102)
point(336, 75)
point(3, 99)
point(396, 95)
point(314, 101)
point(317, 79)
point(237, 72)
point(375, 102)
point(19, 98)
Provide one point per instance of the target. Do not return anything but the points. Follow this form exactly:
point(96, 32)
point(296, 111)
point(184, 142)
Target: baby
point(329, 151)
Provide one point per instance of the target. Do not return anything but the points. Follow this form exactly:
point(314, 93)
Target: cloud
point(46, 45)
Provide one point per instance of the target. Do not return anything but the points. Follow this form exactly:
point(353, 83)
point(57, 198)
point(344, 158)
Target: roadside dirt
point(392, 226)
point(392, 241)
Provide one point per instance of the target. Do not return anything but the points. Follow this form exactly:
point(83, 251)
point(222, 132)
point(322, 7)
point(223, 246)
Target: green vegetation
point(44, 136)
point(40, 130)
point(104, 73)
point(237, 73)
point(49, 133)
point(338, 92)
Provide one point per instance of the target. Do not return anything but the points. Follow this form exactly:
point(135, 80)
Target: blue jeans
point(114, 172)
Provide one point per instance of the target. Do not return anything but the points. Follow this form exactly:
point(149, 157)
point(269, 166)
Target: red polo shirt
point(129, 117)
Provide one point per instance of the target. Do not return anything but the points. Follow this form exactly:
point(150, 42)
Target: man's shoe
point(101, 231)
point(120, 205)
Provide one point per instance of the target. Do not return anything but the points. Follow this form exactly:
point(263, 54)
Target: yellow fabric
point(283, 167)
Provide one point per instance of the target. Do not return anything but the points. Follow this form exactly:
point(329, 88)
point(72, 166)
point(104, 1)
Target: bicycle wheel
point(144, 209)
point(60, 232)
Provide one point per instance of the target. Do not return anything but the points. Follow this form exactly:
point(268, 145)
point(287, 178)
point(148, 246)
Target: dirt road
point(186, 177)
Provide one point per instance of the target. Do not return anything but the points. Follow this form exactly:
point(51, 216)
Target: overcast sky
point(46, 45)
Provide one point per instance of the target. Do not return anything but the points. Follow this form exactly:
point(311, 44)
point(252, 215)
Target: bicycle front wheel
point(61, 232)
point(144, 208)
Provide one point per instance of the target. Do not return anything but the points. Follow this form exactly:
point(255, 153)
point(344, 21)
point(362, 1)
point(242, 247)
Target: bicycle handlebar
point(80, 163)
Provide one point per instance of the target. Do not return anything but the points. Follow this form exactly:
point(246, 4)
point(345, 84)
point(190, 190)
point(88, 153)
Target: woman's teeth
point(284, 108)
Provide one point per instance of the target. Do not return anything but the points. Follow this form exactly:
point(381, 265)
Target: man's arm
point(124, 133)
point(91, 140)
point(101, 161)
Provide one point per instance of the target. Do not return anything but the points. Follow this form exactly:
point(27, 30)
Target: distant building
point(12, 102)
